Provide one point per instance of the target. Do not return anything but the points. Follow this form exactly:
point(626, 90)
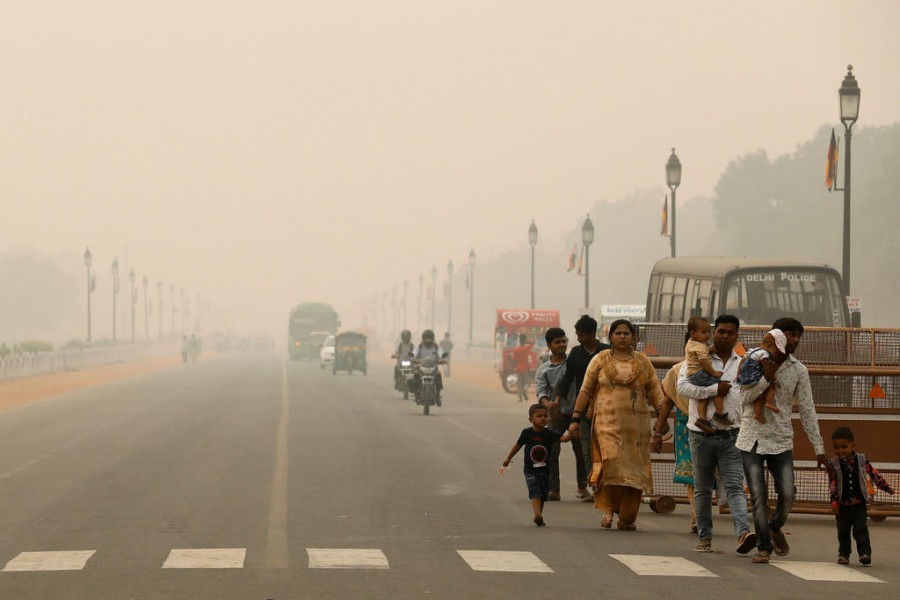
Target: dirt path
point(16, 392)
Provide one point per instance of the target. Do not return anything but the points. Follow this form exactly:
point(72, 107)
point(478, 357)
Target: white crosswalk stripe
point(346, 558)
point(205, 558)
point(59, 560)
point(509, 562)
point(672, 566)
point(821, 571)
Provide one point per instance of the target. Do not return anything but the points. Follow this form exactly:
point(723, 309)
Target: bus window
point(653, 294)
point(678, 294)
point(665, 298)
point(703, 297)
point(690, 297)
point(812, 297)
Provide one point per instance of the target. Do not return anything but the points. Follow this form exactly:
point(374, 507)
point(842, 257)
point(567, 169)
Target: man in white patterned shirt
point(771, 444)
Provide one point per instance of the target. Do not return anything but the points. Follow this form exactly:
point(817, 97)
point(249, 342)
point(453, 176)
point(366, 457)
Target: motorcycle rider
point(404, 349)
point(429, 349)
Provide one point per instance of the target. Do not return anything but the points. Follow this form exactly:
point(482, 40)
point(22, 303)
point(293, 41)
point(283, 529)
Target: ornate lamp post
point(849, 94)
point(159, 287)
point(587, 238)
point(433, 296)
point(146, 324)
point(88, 259)
point(450, 296)
point(673, 180)
point(405, 297)
point(174, 306)
point(131, 277)
point(532, 240)
point(421, 284)
point(115, 274)
point(471, 290)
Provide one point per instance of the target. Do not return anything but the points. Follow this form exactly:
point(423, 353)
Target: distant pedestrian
point(546, 380)
point(446, 345)
point(851, 490)
point(537, 441)
point(522, 366)
point(185, 348)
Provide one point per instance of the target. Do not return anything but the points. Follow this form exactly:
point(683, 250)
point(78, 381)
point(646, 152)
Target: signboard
point(854, 304)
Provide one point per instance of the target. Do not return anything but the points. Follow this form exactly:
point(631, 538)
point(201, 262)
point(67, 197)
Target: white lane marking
point(662, 565)
point(821, 571)
point(508, 562)
point(205, 558)
point(60, 560)
point(346, 558)
point(276, 556)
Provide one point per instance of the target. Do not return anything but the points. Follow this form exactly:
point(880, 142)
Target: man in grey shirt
point(547, 379)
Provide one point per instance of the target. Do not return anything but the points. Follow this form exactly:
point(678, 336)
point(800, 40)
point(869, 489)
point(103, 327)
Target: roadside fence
point(30, 364)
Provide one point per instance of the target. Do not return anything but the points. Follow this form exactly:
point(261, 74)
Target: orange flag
point(831, 163)
point(664, 230)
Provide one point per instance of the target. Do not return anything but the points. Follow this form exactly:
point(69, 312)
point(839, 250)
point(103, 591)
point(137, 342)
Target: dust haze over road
point(262, 154)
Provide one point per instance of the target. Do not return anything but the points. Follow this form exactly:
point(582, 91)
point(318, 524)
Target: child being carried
point(701, 373)
point(763, 360)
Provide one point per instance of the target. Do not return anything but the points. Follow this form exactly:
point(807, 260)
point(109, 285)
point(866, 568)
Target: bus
point(308, 324)
point(756, 290)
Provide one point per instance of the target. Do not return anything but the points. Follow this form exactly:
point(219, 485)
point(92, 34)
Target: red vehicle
point(510, 323)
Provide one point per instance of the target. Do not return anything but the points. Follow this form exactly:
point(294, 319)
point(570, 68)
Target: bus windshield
point(762, 295)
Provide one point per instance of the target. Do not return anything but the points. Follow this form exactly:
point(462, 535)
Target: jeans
point(580, 476)
point(781, 468)
point(707, 453)
point(853, 519)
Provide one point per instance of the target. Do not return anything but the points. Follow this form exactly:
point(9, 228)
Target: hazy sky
point(292, 150)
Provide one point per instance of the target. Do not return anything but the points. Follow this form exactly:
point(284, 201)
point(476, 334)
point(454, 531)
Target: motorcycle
point(405, 375)
point(427, 393)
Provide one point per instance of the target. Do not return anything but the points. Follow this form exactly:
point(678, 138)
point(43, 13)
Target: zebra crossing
point(496, 561)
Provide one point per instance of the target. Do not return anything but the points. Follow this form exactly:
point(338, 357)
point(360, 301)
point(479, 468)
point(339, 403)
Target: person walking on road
point(546, 380)
point(522, 366)
point(446, 345)
point(576, 365)
point(710, 451)
point(771, 444)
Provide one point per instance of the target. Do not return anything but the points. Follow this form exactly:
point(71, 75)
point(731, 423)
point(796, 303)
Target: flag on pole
point(831, 163)
point(664, 229)
point(573, 256)
point(581, 262)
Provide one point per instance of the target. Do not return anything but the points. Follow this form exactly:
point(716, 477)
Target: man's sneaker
point(723, 419)
point(865, 559)
point(553, 496)
point(583, 494)
point(704, 425)
point(780, 543)
point(843, 560)
point(761, 557)
point(746, 542)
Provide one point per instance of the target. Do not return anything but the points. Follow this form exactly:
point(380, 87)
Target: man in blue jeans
point(771, 444)
point(717, 450)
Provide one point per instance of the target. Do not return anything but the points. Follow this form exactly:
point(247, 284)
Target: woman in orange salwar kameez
point(618, 385)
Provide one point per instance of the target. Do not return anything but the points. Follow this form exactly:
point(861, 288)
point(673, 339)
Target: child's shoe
point(843, 560)
point(723, 419)
point(704, 425)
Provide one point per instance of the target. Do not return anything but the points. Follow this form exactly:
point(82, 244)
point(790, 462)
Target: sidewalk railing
point(30, 364)
point(484, 356)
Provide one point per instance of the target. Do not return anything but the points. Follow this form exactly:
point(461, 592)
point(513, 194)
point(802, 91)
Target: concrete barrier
point(31, 364)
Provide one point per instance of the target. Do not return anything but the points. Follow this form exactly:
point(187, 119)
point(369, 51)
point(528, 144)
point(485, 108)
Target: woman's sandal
point(606, 521)
point(703, 546)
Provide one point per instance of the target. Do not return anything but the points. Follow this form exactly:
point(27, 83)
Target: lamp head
point(587, 231)
point(115, 267)
point(88, 259)
point(472, 257)
point(532, 234)
point(450, 268)
point(131, 275)
point(673, 171)
point(849, 94)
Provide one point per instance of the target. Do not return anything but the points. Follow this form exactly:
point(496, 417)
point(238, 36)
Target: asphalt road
point(252, 478)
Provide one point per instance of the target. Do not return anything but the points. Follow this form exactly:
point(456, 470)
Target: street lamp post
point(450, 297)
point(115, 286)
point(159, 287)
point(131, 281)
point(405, 298)
point(87, 263)
point(471, 290)
point(421, 284)
point(433, 296)
point(532, 240)
point(849, 94)
point(146, 323)
point(673, 180)
point(587, 238)
point(174, 306)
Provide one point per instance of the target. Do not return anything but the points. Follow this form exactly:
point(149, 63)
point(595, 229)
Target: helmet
point(428, 336)
point(405, 335)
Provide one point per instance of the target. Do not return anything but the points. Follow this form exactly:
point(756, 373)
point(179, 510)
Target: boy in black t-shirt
point(537, 441)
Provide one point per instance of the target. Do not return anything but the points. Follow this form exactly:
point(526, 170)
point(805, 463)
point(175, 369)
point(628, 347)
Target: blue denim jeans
point(707, 453)
point(781, 468)
point(561, 426)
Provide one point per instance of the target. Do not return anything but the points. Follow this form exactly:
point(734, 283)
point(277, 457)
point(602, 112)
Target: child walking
point(851, 491)
point(760, 361)
point(537, 441)
point(701, 373)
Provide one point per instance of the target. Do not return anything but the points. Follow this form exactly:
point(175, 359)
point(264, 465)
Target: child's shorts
point(751, 372)
point(703, 379)
point(538, 485)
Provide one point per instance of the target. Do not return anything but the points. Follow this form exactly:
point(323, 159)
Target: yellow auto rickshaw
point(349, 352)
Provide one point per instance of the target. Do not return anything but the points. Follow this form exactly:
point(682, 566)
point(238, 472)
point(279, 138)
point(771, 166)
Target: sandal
point(606, 521)
point(703, 546)
point(693, 530)
point(539, 521)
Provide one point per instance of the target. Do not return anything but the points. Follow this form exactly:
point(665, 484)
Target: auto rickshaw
point(349, 352)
